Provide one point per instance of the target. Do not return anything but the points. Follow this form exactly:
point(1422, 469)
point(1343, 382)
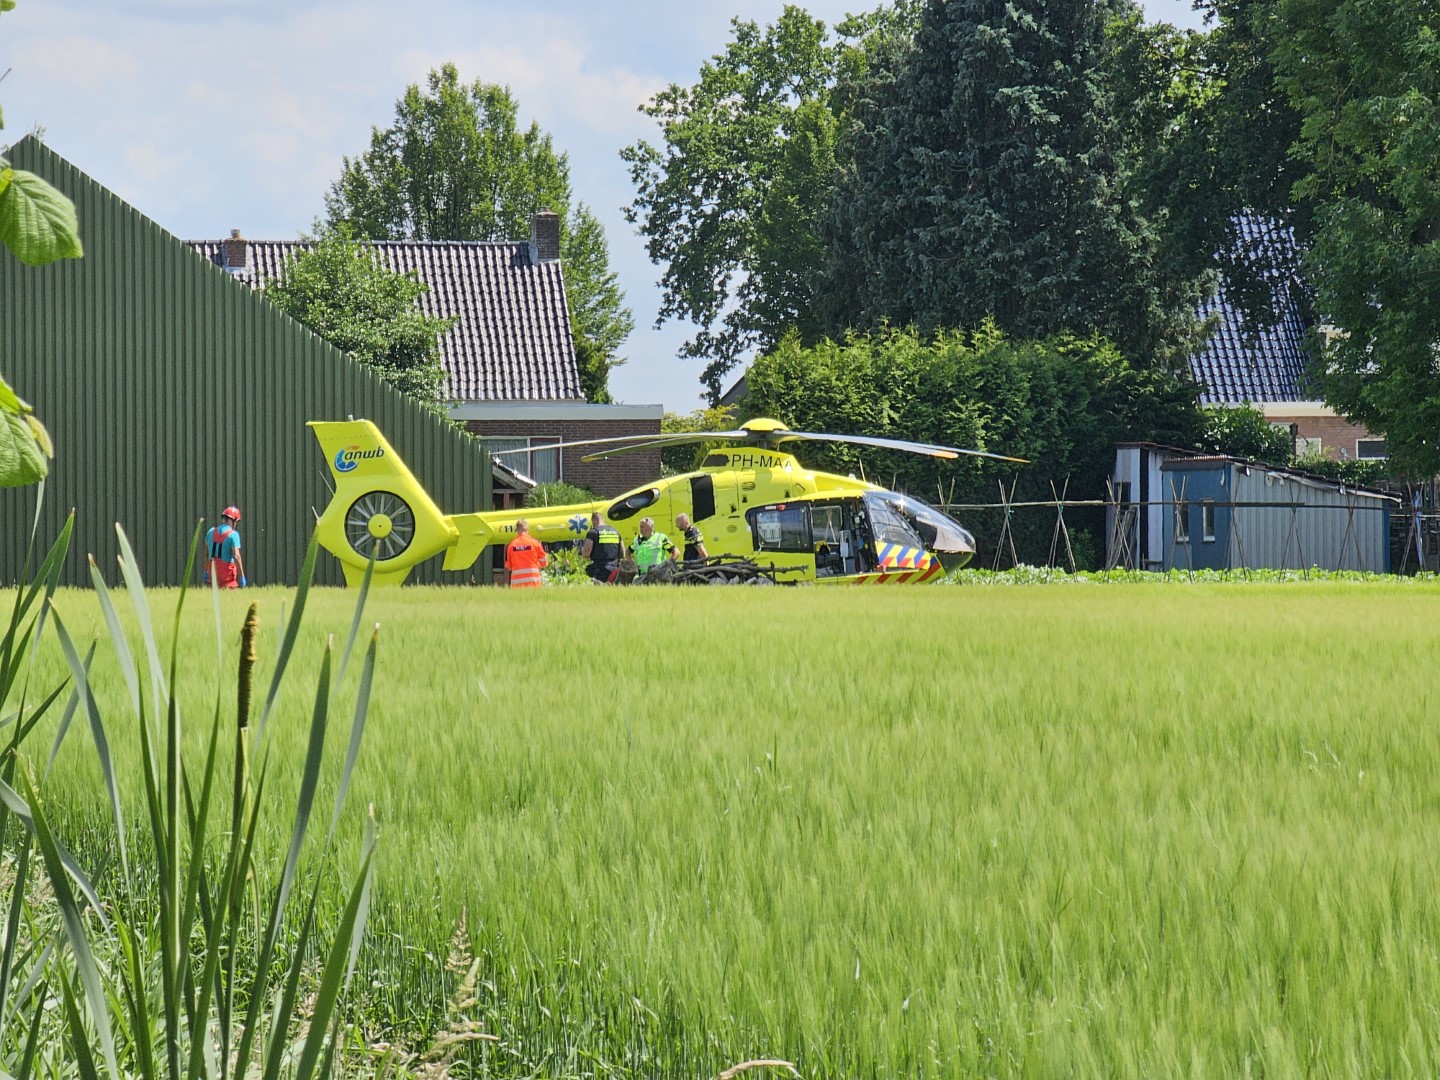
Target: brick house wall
point(606, 478)
point(1336, 433)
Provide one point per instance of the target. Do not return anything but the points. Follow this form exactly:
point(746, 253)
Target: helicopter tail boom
point(379, 506)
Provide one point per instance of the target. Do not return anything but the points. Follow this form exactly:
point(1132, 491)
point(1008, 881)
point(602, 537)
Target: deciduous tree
point(1365, 77)
point(341, 290)
point(731, 203)
point(456, 165)
point(1205, 139)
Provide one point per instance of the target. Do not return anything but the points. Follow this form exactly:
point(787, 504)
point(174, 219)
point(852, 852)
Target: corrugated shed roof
point(1235, 367)
point(511, 340)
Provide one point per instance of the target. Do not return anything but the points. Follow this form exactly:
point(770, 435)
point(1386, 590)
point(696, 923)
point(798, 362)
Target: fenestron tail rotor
point(383, 518)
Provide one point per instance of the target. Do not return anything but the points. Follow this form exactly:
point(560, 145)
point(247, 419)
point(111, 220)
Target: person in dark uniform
point(604, 548)
point(694, 542)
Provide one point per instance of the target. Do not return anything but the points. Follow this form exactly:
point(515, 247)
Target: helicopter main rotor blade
point(671, 440)
point(930, 449)
point(685, 436)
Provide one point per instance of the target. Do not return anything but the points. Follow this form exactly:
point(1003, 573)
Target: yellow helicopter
point(752, 500)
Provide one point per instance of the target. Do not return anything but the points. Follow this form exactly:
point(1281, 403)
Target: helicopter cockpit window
point(888, 525)
point(781, 528)
point(633, 504)
point(939, 532)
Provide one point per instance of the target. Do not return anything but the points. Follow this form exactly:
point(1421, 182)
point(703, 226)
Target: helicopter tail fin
point(378, 506)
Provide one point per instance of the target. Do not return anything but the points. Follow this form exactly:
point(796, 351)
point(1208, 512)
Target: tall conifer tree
point(981, 181)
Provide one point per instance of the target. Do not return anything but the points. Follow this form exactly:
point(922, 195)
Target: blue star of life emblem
point(578, 523)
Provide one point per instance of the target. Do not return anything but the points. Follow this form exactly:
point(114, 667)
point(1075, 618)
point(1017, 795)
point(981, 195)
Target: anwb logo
point(347, 459)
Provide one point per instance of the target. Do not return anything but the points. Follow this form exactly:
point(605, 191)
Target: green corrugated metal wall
point(171, 390)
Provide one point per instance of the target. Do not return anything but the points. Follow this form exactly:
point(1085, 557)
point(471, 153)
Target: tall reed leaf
point(359, 611)
point(12, 928)
point(339, 964)
point(12, 649)
point(357, 729)
point(21, 809)
point(59, 867)
point(117, 636)
point(292, 630)
point(69, 714)
point(79, 1037)
point(79, 671)
point(50, 570)
point(135, 585)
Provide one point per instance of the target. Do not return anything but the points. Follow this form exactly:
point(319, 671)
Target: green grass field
point(1151, 830)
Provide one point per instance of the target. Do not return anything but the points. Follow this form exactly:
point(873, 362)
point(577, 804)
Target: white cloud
point(555, 80)
point(72, 63)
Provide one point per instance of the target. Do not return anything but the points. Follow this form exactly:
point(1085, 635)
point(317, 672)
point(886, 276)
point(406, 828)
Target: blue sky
point(209, 115)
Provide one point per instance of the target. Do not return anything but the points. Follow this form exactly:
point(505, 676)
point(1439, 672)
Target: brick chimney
point(545, 237)
point(233, 252)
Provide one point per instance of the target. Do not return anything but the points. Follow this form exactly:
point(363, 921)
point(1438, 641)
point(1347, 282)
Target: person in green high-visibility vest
point(651, 548)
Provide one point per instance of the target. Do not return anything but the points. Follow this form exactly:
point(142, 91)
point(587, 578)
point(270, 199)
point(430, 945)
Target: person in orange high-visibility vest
point(524, 558)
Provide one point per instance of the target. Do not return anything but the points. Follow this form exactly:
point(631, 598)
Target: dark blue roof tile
point(1236, 367)
point(511, 340)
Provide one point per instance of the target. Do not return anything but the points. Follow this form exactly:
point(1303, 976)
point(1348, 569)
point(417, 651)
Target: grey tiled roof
point(1235, 367)
point(511, 340)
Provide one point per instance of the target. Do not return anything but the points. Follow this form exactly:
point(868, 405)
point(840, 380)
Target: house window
point(1303, 444)
point(1207, 521)
point(1182, 522)
point(1370, 449)
point(528, 455)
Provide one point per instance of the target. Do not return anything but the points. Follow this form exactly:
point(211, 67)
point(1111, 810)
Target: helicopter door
point(702, 497)
point(834, 541)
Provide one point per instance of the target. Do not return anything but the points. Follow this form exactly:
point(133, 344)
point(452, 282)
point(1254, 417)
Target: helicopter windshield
point(900, 519)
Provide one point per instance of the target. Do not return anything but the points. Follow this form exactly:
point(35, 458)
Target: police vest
point(606, 546)
point(693, 539)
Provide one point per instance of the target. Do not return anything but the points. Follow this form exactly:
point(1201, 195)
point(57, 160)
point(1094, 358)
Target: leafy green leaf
point(22, 454)
point(37, 222)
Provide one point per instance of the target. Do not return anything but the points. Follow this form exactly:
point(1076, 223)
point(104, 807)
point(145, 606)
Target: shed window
point(1207, 521)
point(1182, 522)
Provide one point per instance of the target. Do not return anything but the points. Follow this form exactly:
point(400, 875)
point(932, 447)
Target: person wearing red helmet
point(222, 552)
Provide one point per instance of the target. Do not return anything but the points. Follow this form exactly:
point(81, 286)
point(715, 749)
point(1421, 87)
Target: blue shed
point(1229, 514)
